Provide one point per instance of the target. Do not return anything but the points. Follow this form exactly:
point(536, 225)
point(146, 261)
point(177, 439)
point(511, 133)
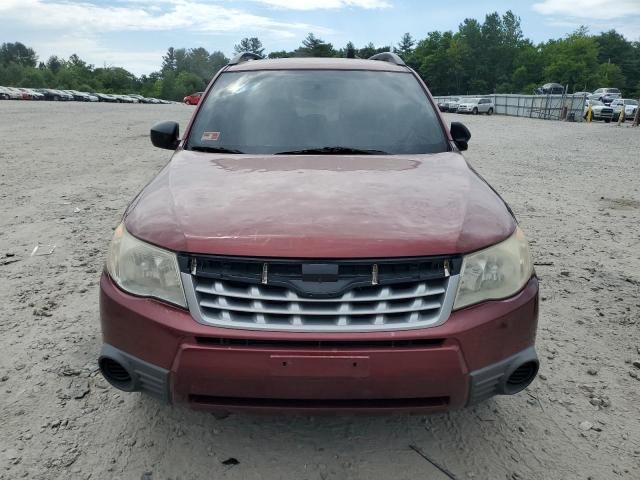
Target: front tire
point(475, 111)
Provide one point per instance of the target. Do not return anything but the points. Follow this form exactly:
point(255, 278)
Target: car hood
point(319, 206)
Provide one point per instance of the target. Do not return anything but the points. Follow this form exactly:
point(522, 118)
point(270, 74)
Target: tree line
point(479, 58)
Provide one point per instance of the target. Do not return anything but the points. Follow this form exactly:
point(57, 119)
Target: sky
point(134, 34)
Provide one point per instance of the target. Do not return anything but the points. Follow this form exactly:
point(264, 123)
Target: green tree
point(169, 62)
point(572, 61)
point(17, 53)
point(350, 50)
point(54, 64)
point(312, 46)
point(405, 46)
point(251, 45)
point(611, 74)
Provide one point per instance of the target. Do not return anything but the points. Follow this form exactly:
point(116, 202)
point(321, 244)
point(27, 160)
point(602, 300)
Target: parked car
point(606, 95)
point(11, 93)
point(78, 96)
point(139, 98)
point(272, 265)
point(105, 97)
point(600, 111)
point(92, 97)
point(193, 99)
point(628, 104)
point(449, 105)
point(608, 98)
point(54, 95)
point(476, 106)
point(125, 99)
point(34, 94)
point(550, 89)
point(19, 94)
point(5, 94)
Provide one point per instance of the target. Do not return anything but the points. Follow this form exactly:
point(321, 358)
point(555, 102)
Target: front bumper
point(463, 361)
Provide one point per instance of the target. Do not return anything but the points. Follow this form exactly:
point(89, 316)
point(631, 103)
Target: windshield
point(596, 102)
point(631, 102)
point(269, 112)
point(471, 100)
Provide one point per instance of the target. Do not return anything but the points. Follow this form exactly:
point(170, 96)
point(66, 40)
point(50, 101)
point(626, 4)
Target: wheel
point(56, 98)
point(490, 111)
point(475, 110)
point(607, 120)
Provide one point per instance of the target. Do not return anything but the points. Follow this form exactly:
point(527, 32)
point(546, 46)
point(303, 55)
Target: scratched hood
point(319, 206)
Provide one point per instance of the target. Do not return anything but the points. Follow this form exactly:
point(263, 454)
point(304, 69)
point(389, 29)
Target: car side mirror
point(461, 135)
point(165, 135)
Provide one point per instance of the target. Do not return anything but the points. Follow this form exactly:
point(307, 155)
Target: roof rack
point(244, 57)
point(389, 57)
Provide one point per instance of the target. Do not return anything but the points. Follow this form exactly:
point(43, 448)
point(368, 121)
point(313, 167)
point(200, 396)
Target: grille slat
point(295, 310)
point(219, 288)
point(392, 305)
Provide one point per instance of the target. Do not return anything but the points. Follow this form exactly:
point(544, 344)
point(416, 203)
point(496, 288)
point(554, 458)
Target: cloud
point(325, 4)
point(589, 9)
point(137, 15)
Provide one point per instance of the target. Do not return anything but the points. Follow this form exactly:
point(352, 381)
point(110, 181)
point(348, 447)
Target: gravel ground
point(67, 172)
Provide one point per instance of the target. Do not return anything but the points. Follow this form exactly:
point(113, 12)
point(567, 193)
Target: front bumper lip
point(156, 382)
point(239, 370)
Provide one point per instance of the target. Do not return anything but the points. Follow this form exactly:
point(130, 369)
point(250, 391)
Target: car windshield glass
point(631, 102)
point(596, 102)
point(268, 112)
point(471, 100)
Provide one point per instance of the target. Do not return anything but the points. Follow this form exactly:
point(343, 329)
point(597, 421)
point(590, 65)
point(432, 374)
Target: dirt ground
point(67, 171)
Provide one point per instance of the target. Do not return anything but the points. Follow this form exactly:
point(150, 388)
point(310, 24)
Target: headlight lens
point(496, 272)
point(143, 269)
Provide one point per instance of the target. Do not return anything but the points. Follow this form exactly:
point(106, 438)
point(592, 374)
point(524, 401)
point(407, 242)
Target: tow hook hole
point(355, 364)
point(284, 364)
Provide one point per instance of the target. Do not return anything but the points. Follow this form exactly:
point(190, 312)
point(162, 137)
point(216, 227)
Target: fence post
point(637, 117)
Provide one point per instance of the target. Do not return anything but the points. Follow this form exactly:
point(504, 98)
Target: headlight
point(143, 269)
point(496, 272)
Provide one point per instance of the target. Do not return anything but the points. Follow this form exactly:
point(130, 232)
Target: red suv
point(193, 99)
point(318, 243)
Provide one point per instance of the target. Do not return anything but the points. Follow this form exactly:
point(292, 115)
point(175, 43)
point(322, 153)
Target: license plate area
point(327, 366)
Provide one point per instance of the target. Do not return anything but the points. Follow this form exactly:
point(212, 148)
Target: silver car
point(629, 106)
point(476, 106)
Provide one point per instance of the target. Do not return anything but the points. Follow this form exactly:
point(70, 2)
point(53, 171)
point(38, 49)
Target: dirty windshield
point(270, 112)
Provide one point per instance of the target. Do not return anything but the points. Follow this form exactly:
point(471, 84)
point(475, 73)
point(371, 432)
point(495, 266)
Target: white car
point(629, 106)
point(599, 110)
point(476, 106)
point(6, 94)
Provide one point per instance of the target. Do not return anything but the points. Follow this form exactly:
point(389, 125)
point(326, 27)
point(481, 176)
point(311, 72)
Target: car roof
point(308, 63)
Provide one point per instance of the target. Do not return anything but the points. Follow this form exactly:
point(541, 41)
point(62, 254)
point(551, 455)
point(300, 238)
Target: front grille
point(313, 296)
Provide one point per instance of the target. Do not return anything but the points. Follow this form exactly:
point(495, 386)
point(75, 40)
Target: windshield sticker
point(210, 136)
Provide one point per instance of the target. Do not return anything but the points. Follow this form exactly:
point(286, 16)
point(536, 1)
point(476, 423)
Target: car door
point(483, 105)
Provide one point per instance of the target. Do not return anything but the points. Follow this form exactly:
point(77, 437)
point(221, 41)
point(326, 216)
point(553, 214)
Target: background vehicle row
point(56, 95)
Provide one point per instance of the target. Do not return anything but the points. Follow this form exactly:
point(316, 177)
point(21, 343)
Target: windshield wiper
point(333, 150)
point(199, 148)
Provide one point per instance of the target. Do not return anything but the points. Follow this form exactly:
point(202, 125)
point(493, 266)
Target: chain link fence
point(547, 107)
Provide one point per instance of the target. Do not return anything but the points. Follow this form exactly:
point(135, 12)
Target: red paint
point(319, 207)
point(166, 336)
point(193, 99)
